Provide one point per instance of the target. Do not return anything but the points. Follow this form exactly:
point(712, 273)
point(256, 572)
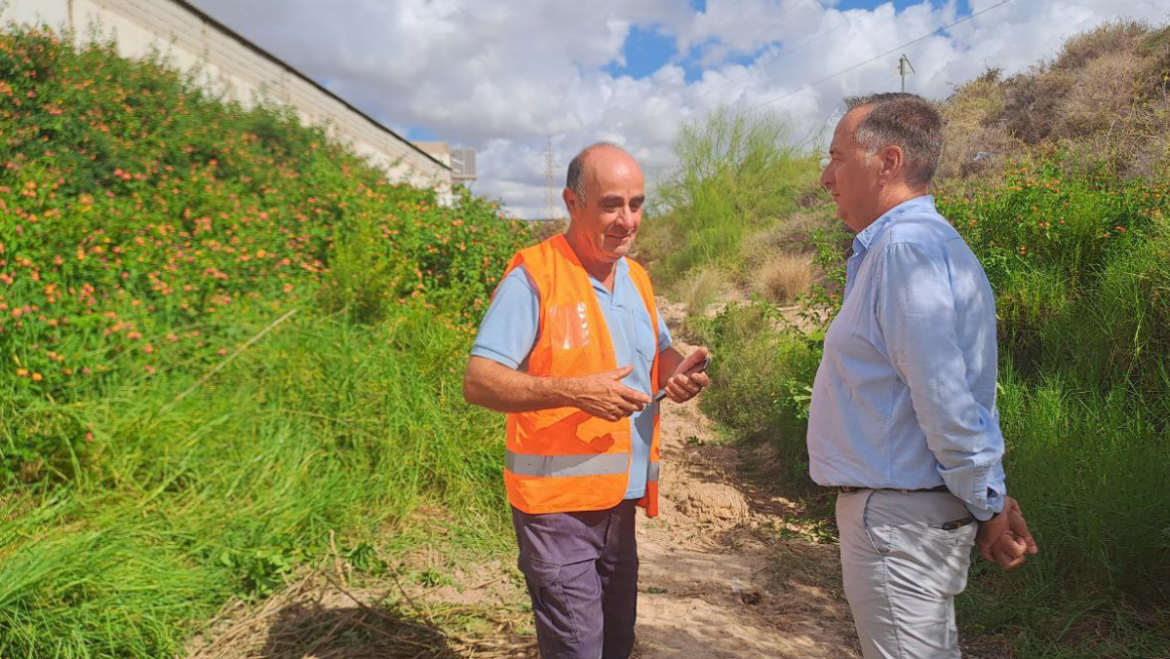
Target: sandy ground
point(718, 577)
point(726, 573)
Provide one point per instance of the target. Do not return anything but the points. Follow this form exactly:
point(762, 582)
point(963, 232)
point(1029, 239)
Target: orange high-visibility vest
point(563, 459)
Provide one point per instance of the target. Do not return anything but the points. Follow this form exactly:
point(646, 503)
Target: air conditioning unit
point(463, 165)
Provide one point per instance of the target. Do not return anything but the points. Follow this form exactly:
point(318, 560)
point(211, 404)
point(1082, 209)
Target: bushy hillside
point(1103, 104)
point(224, 341)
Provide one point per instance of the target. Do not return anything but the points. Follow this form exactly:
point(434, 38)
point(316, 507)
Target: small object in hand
point(698, 369)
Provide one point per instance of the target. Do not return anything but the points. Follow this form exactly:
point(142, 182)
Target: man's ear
point(893, 160)
point(572, 203)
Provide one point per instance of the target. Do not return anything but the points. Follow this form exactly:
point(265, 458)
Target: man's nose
point(625, 217)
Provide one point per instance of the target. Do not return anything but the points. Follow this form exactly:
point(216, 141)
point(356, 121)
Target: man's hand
point(1005, 540)
point(603, 395)
point(684, 384)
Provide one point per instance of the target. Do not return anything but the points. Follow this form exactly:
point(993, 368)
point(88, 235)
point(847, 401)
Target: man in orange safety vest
point(573, 349)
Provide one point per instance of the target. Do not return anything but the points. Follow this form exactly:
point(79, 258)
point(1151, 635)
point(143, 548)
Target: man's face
point(852, 175)
point(611, 214)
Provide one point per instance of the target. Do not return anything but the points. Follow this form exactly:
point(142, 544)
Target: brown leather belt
point(849, 489)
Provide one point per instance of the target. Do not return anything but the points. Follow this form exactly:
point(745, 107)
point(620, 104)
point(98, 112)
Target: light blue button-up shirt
point(905, 394)
point(512, 321)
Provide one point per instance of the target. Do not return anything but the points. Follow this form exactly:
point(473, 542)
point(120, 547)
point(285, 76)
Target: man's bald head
point(575, 180)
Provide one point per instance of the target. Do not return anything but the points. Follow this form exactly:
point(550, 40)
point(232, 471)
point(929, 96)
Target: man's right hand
point(1005, 540)
point(603, 395)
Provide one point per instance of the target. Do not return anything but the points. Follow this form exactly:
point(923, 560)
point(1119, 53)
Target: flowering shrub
point(142, 219)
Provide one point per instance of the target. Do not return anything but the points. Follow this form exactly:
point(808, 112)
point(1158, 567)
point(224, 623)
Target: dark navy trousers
point(582, 575)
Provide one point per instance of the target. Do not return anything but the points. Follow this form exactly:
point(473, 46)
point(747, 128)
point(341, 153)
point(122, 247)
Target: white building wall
point(231, 67)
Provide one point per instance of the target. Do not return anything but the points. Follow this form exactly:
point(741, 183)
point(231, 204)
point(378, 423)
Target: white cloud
point(503, 76)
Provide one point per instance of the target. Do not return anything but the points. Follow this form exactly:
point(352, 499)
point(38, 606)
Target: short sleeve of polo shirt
point(509, 328)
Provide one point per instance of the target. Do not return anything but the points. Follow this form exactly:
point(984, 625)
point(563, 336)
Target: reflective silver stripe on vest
point(589, 464)
point(653, 474)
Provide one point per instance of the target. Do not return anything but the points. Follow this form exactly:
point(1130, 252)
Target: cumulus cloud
point(508, 76)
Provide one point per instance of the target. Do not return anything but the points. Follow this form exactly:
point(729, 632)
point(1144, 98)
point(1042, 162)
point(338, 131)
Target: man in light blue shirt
point(903, 416)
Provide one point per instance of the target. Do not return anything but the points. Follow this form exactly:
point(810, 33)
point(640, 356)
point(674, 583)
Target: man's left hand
point(686, 382)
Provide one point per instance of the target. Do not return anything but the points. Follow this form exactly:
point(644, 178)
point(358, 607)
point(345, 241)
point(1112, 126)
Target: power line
point(787, 53)
point(816, 37)
point(878, 57)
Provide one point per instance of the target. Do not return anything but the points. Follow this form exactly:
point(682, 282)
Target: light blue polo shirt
point(508, 333)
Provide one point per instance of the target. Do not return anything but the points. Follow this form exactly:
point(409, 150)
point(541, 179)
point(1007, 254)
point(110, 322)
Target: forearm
point(497, 387)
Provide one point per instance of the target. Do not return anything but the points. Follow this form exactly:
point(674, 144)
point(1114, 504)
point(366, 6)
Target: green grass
point(167, 442)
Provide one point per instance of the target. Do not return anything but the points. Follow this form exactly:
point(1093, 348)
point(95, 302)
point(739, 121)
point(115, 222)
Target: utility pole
point(551, 198)
point(904, 69)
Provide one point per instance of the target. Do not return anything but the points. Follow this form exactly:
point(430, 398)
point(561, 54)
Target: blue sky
point(648, 47)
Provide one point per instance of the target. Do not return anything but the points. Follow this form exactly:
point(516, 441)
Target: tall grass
point(165, 443)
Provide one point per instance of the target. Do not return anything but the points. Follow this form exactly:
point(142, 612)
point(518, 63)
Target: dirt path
point(725, 574)
point(721, 574)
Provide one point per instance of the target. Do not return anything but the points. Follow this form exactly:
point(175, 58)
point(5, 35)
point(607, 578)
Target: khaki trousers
point(902, 570)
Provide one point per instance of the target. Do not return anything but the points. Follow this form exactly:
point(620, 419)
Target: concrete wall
point(232, 66)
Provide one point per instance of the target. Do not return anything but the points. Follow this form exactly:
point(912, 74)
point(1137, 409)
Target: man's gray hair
point(906, 121)
point(574, 180)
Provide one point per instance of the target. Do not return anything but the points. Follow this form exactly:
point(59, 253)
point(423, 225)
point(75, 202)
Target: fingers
point(638, 398)
point(619, 411)
point(1019, 528)
point(990, 533)
point(682, 388)
point(621, 372)
point(1009, 553)
point(692, 360)
point(677, 393)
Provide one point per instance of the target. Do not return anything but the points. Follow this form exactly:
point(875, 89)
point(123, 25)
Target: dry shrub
point(1138, 147)
point(1108, 38)
point(976, 142)
point(795, 233)
point(1032, 103)
point(1104, 103)
point(977, 151)
point(1101, 97)
point(976, 103)
point(701, 288)
point(545, 229)
point(784, 277)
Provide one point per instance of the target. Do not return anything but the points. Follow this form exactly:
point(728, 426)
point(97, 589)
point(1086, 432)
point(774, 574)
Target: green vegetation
point(1071, 226)
point(170, 436)
point(735, 176)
